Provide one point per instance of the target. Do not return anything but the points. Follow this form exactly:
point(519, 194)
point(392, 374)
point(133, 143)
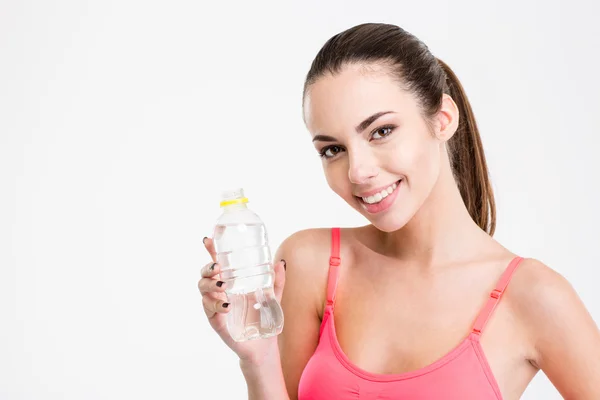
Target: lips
point(375, 196)
point(375, 191)
point(383, 204)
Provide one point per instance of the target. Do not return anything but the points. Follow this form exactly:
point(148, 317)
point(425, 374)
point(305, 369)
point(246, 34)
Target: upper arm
point(301, 299)
point(565, 337)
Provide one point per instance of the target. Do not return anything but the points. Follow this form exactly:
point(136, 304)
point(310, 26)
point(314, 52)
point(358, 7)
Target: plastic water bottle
point(242, 248)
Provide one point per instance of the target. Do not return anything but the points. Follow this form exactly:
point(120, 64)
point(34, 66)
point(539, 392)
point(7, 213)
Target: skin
point(423, 268)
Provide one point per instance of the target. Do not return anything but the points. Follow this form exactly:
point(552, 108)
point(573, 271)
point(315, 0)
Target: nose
point(362, 167)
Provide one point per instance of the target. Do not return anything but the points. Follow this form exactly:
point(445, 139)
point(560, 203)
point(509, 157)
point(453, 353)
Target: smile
point(381, 200)
point(377, 197)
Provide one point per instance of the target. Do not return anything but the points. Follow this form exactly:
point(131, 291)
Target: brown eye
point(330, 151)
point(382, 132)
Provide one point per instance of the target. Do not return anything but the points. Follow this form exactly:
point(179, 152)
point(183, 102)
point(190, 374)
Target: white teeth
point(376, 198)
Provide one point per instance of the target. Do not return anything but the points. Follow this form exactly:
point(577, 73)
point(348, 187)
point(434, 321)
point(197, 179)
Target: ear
point(447, 119)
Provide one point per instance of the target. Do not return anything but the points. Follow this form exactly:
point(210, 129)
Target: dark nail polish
point(284, 265)
point(212, 267)
point(220, 283)
point(204, 239)
point(225, 305)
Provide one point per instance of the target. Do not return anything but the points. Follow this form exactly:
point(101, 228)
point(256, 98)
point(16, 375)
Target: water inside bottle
point(254, 315)
point(245, 259)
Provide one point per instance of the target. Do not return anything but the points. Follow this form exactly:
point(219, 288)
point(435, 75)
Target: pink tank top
point(463, 373)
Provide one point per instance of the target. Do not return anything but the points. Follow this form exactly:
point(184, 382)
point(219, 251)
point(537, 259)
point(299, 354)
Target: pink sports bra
point(463, 373)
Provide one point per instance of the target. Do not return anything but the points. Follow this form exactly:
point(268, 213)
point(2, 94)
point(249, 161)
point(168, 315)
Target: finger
point(213, 306)
point(210, 247)
point(279, 283)
point(210, 270)
point(208, 285)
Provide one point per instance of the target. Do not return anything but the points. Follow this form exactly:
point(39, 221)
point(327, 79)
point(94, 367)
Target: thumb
point(279, 283)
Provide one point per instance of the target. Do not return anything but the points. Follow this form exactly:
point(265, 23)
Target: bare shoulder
point(306, 245)
point(537, 289)
point(537, 292)
point(306, 254)
point(564, 337)
point(534, 281)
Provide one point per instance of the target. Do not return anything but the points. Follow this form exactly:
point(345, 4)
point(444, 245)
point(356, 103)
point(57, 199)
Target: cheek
point(427, 161)
point(417, 158)
point(337, 178)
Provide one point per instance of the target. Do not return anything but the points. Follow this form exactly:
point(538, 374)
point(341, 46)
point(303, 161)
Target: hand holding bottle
point(214, 301)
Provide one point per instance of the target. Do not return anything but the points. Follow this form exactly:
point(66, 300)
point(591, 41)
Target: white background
point(121, 121)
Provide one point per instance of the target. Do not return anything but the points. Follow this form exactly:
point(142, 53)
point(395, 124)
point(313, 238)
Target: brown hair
point(418, 71)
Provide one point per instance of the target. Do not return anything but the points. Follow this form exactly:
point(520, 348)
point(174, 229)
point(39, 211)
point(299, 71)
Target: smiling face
point(378, 152)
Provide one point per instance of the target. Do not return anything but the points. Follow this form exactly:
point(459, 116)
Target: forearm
point(265, 379)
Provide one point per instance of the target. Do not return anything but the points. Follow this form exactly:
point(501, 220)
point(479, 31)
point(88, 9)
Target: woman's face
point(378, 153)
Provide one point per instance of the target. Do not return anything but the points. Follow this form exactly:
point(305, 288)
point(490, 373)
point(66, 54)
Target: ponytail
point(468, 159)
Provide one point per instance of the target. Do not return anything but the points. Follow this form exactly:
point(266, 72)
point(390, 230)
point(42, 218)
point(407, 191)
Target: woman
point(427, 304)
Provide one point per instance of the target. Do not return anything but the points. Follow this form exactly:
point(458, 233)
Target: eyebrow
point(359, 128)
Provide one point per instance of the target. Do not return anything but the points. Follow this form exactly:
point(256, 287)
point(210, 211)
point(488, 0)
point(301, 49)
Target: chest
point(394, 331)
point(399, 325)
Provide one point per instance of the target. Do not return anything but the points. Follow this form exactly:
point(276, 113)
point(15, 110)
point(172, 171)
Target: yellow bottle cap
point(235, 196)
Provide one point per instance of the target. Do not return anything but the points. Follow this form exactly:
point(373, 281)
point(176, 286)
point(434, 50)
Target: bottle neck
point(234, 207)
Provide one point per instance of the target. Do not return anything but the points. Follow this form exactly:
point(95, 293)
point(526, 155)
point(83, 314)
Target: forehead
point(336, 102)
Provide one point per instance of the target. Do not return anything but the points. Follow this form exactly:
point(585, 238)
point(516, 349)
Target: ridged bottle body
point(242, 247)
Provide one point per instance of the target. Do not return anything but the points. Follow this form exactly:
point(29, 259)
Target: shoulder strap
point(334, 262)
point(495, 296)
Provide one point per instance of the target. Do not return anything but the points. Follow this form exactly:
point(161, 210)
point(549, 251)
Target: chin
point(389, 223)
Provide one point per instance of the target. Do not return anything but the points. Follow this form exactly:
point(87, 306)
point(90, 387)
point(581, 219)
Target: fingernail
point(284, 265)
point(204, 239)
point(220, 283)
point(225, 305)
point(212, 267)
